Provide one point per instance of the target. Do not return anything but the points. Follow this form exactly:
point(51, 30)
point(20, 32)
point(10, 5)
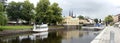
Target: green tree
point(57, 13)
point(100, 20)
point(27, 11)
point(14, 10)
point(96, 20)
point(108, 19)
point(81, 17)
point(41, 11)
point(3, 18)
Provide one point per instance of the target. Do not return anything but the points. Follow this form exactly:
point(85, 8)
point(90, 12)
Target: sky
point(89, 8)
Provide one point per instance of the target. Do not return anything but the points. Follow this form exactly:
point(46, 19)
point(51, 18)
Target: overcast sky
point(90, 8)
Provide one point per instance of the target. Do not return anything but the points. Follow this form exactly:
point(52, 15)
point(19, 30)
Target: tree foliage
point(56, 17)
point(41, 11)
point(46, 13)
point(27, 11)
point(20, 10)
point(109, 19)
point(14, 10)
point(96, 20)
point(81, 17)
point(100, 20)
point(3, 18)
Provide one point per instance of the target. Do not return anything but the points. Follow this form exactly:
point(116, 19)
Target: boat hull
point(40, 28)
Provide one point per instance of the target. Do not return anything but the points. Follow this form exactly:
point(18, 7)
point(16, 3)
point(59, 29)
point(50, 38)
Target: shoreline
point(15, 32)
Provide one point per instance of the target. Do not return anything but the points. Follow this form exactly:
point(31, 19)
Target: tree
point(81, 17)
point(20, 10)
point(96, 20)
point(46, 13)
point(57, 12)
point(3, 18)
point(41, 11)
point(108, 19)
point(27, 11)
point(14, 11)
point(100, 20)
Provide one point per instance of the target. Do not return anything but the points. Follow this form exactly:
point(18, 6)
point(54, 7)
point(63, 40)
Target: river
point(67, 36)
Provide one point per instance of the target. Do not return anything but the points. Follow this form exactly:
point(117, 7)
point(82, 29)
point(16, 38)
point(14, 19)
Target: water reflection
point(71, 36)
point(78, 36)
point(35, 36)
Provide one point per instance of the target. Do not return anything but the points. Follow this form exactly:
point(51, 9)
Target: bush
point(1, 28)
point(111, 24)
point(3, 20)
point(3, 17)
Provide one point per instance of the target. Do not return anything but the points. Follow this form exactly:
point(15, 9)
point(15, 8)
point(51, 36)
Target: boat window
point(41, 27)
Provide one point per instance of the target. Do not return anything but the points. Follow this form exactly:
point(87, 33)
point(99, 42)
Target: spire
point(71, 13)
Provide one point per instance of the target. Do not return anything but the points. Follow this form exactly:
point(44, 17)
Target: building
point(116, 18)
point(81, 21)
point(71, 21)
point(4, 2)
point(91, 21)
point(86, 21)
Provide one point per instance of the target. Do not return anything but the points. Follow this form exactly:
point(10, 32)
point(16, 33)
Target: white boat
point(40, 28)
point(41, 35)
point(35, 36)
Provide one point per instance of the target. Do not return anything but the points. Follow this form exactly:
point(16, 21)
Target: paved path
point(104, 36)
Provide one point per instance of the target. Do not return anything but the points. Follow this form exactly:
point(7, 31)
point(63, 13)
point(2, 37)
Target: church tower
point(71, 13)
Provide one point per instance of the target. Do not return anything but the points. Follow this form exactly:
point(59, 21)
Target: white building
point(71, 21)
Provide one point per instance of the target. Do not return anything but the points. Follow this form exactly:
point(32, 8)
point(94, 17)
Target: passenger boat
point(40, 28)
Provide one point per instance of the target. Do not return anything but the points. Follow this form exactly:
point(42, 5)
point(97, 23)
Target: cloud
point(91, 8)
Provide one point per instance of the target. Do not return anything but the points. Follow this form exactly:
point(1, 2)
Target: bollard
point(112, 37)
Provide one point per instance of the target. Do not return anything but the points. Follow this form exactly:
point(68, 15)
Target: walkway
point(104, 36)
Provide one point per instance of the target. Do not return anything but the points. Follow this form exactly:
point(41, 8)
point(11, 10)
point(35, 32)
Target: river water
point(68, 36)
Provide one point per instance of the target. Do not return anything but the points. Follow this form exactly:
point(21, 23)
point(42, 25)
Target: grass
point(22, 27)
point(15, 27)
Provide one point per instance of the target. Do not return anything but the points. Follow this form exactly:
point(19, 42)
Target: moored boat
point(40, 28)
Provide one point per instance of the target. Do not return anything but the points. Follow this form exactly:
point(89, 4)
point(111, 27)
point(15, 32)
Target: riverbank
point(24, 27)
point(13, 30)
point(20, 27)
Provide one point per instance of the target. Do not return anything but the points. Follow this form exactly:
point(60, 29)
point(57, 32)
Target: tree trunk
point(106, 23)
point(17, 22)
point(29, 22)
